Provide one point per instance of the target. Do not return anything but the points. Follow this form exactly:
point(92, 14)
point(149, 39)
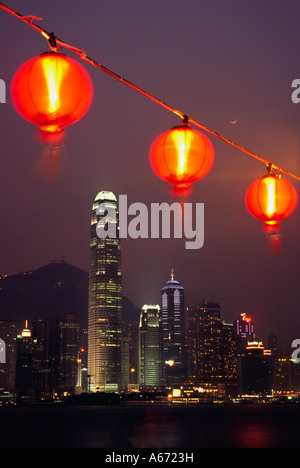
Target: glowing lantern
point(181, 156)
point(52, 91)
point(271, 199)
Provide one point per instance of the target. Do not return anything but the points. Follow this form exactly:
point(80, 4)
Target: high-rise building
point(204, 342)
point(24, 384)
point(131, 341)
point(173, 324)
point(273, 345)
point(43, 357)
point(150, 346)
point(255, 370)
point(105, 299)
point(244, 331)
point(67, 348)
point(286, 374)
point(230, 358)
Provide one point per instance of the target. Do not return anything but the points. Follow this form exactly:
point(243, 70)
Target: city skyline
point(245, 321)
point(50, 360)
point(218, 70)
point(262, 335)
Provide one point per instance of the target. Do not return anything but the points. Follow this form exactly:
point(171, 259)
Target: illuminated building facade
point(24, 363)
point(230, 358)
point(131, 338)
point(42, 357)
point(286, 375)
point(229, 352)
point(204, 342)
point(173, 325)
point(67, 347)
point(105, 300)
point(255, 370)
point(150, 346)
point(244, 331)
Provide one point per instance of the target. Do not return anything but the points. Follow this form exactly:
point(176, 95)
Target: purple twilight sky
point(216, 61)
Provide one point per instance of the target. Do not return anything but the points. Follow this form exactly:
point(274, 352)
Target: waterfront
point(136, 426)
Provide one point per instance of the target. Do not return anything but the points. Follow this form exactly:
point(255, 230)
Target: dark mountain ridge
point(56, 290)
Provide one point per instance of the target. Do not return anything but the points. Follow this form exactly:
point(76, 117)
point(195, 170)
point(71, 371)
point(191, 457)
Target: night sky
point(216, 61)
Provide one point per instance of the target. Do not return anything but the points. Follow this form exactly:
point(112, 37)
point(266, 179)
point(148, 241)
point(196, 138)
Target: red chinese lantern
point(181, 156)
point(52, 91)
point(271, 199)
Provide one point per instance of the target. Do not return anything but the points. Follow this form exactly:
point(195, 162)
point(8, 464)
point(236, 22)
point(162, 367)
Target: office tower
point(255, 370)
point(245, 331)
point(131, 337)
point(286, 374)
point(273, 345)
point(204, 342)
point(83, 356)
point(150, 346)
point(229, 351)
point(42, 357)
point(105, 299)
point(67, 348)
point(229, 358)
point(24, 363)
point(173, 324)
point(282, 377)
point(8, 335)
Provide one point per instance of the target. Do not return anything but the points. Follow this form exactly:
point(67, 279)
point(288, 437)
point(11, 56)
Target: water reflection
point(146, 426)
point(255, 436)
point(155, 430)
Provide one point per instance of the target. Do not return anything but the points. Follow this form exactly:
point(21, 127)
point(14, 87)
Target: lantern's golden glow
point(181, 156)
point(182, 140)
point(271, 199)
point(52, 91)
point(53, 73)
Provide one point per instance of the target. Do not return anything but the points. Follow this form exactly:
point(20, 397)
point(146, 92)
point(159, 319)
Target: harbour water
point(144, 426)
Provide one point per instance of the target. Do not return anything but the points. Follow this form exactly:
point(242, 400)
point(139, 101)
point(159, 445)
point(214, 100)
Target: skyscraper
point(245, 331)
point(255, 370)
point(173, 323)
point(43, 360)
point(67, 347)
point(24, 363)
point(105, 299)
point(150, 346)
point(230, 358)
point(204, 338)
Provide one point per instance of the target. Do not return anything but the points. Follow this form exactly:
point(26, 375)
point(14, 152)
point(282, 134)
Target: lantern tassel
point(273, 236)
point(50, 164)
point(274, 243)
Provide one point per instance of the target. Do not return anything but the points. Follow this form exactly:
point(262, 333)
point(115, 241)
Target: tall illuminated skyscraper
point(150, 346)
point(173, 324)
point(204, 338)
point(105, 299)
